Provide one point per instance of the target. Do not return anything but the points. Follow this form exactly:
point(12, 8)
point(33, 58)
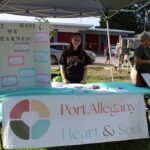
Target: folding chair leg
point(1, 142)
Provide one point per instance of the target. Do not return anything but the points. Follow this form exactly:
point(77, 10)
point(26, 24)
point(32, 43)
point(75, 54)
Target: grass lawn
point(103, 74)
point(99, 73)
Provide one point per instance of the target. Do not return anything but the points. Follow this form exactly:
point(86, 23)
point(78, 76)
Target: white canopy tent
point(66, 9)
point(62, 8)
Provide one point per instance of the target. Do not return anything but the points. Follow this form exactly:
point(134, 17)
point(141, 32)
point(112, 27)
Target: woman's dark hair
point(80, 48)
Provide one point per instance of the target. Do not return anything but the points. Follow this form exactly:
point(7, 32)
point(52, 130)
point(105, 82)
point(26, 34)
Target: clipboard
point(146, 77)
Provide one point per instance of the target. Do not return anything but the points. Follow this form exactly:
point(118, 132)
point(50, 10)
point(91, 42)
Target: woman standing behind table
point(142, 58)
point(74, 61)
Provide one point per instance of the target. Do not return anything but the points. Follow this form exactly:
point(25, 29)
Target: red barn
point(94, 39)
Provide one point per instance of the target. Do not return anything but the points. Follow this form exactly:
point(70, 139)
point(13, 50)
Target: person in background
point(74, 61)
point(118, 51)
point(106, 54)
point(142, 58)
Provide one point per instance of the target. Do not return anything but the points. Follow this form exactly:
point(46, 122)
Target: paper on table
point(120, 90)
point(57, 84)
point(76, 85)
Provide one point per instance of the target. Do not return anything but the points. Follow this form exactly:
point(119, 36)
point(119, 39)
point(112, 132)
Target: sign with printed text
point(25, 52)
point(62, 120)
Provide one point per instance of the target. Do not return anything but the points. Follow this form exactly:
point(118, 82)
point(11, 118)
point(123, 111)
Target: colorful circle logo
point(29, 119)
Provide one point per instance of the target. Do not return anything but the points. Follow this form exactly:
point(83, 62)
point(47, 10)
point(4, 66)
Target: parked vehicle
point(130, 44)
point(113, 50)
point(131, 56)
point(56, 49)
point(91, 55)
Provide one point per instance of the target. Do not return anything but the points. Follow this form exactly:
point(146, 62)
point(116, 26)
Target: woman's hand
point(83, 81)
point(65, 81)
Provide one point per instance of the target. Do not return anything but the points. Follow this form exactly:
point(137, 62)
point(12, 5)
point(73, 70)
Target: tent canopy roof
point(62, 8)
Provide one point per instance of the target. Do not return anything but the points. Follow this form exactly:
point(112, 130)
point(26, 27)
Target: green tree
point(51, 30)
point(134, 21)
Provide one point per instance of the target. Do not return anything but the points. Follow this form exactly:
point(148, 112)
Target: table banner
point(62, 120)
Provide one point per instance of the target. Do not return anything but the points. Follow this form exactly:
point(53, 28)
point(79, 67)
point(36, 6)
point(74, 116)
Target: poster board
point(24, 55)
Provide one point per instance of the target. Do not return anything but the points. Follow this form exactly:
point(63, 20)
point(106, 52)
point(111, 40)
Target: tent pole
point(145, 20)
point(105, 14)
point(108, 39)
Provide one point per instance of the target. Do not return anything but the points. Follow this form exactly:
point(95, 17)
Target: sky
point(88, 20)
